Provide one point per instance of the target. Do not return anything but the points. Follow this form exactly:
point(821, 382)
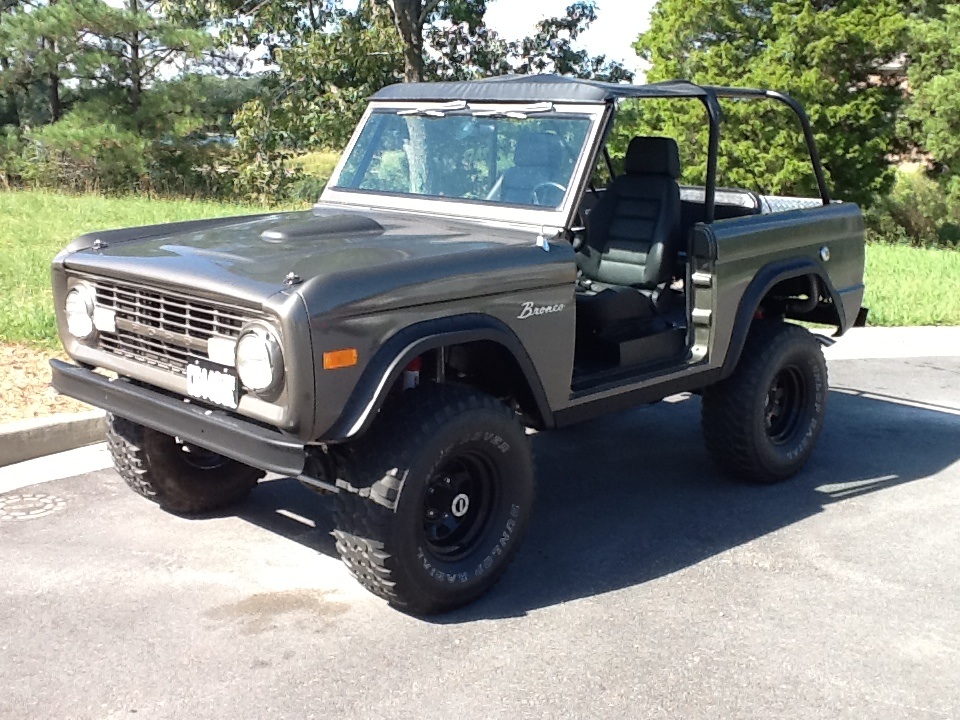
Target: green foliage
point(78, 153)
point(271, 24)
point(11, 158)
point(917, 212)
point(40, 45)
point(76, 47)
point(323, 82)
point(827, 55)
point(260, 168)
point(932, 120)
point(213, 100)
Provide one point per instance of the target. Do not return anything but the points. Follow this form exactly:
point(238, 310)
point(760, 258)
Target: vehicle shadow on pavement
point(634, 496)
point(285, 507)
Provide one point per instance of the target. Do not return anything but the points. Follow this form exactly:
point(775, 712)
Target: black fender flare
point(768, 276)
point(395, 355)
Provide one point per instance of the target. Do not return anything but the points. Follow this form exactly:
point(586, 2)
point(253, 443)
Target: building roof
point(537, 88)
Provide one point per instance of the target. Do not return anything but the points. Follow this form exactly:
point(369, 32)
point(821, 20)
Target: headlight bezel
point(269, 340)
point(87, 297)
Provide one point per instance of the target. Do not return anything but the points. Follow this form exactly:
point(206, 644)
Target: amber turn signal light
point(336, 359)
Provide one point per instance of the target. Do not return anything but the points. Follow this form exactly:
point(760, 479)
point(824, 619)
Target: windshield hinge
point(436, 110)
point(518, 113)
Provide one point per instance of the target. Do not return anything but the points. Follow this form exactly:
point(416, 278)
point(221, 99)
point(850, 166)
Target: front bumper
point(215, 430)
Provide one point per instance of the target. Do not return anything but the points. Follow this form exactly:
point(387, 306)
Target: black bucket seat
point(633, 237)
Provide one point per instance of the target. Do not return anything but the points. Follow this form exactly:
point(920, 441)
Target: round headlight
point(78, 309)
point(259, 360)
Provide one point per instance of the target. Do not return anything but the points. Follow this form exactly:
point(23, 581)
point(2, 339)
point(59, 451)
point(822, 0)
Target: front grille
point(163, 328)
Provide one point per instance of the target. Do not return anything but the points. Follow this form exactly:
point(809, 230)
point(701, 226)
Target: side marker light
point(336, 359)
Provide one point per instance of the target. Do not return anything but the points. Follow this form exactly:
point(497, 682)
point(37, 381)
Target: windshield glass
point(489, 158)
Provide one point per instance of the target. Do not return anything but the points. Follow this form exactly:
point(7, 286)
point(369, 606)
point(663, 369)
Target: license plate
point(214, 383)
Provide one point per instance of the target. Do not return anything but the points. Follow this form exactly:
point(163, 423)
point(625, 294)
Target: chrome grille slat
point(163, 328)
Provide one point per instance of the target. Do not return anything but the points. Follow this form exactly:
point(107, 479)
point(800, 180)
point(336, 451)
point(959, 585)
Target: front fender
point(395, 355)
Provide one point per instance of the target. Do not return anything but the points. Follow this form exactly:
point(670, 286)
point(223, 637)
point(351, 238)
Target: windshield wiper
point(436, 110)
point(519, 113)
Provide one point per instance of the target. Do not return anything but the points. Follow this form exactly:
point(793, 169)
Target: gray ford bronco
point(474, 270)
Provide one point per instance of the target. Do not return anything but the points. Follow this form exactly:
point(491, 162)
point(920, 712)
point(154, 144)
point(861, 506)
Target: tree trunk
point(53, 96)
point(53, 78)
point(136, 69)
point(13, 107)
point(53, 83)
point(407, 16)
point(413, 70)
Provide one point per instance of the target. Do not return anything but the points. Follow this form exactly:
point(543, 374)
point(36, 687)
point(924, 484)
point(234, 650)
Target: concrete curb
point(29, 439)
point(888, 343)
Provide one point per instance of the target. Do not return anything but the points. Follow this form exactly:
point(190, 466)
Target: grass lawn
point(905, 286)
point(911, 286)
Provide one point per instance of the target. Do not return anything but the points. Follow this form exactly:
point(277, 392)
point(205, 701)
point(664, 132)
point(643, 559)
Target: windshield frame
point(480, 210)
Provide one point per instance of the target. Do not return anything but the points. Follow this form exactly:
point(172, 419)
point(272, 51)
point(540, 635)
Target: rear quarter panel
point(744, 246)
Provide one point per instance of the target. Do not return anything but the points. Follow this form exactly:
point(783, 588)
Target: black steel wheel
point(458, 504)
point(763, 421)
point(440, 492)
point(784, 407)
point(181, 478)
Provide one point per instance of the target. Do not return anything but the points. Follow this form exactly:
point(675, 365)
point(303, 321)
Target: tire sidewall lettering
point(803, 438)
point(502, 532)
point(494, 555)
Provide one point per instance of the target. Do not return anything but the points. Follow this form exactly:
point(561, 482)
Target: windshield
point(483, 157)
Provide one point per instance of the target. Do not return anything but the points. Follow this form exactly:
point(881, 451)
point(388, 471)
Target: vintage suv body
point(461, 279)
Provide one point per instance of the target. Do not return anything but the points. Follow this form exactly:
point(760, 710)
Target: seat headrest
point(538, 150)
point(653, 156)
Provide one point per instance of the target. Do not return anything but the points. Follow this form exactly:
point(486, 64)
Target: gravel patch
point(25, 390)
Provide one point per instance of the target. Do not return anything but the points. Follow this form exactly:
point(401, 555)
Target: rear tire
point(442, 491)
point(763, 421)
point(182, 479)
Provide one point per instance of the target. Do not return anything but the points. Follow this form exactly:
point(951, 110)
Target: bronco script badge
point(529, 310)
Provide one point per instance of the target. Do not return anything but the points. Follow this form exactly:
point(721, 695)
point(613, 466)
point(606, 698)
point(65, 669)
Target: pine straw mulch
point(25, 390)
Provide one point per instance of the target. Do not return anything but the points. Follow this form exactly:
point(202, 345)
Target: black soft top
point(537, 88)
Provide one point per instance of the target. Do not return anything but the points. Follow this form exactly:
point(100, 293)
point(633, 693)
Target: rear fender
point(762, 283)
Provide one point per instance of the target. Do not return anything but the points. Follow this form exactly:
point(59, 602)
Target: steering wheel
point(538, 199)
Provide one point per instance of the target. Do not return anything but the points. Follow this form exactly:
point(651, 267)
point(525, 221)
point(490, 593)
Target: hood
point(251, 257)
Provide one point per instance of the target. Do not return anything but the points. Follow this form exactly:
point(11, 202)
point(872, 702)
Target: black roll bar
point(713, 150)
point(709, 95)
point(752, 94)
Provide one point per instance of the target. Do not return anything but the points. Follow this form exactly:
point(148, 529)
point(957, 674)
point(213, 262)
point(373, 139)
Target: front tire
point(182, 479)
point(442, 491)
point(763, 421)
